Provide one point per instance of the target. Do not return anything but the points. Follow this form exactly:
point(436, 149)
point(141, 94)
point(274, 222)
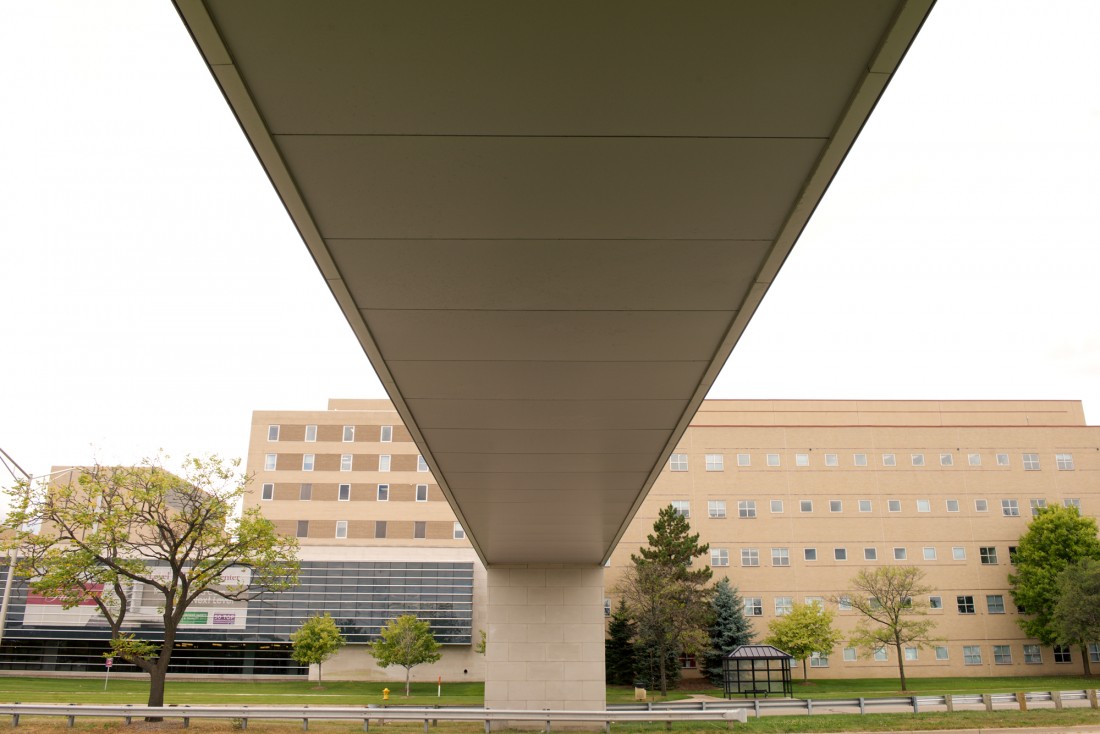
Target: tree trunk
point(805, 675)
point(664, 680)
point(901, 666)
point(1085, 658)
point(408, 674)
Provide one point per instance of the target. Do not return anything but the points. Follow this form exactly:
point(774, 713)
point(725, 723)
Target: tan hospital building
point(794, 497)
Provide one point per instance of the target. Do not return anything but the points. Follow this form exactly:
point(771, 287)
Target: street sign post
point(108, 662)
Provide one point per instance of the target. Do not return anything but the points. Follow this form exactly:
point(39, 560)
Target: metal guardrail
point(243, 714)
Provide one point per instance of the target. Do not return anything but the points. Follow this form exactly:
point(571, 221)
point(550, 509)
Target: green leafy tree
point(112, 536)
point(807, 629)
point(405, 641)
point(619, 647)
point(667, 598)
point(728, 630)
point(1056, 538)
point(1076, 616)
point(886, 598)
point(316, 641)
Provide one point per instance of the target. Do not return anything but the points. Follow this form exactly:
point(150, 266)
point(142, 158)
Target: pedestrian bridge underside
point(549, 223)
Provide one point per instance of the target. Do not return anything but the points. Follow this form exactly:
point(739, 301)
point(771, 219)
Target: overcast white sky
point(153, 292)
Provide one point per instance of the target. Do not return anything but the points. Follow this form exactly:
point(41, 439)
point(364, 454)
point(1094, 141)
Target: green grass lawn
point(879, 687)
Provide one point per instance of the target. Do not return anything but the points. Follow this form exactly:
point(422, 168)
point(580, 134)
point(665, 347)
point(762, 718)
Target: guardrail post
point(1021, 698)
point(987, 699)
point(949, 702)
point(756, 707)
point(916, 705)
point(1056, 696)
point(547, 723)
point(862, 705)
point(72, 721)
point(15, 720)
point(1091, 693)
point(366, 724)
point(244, 723)
point(607, 726)
point(426, 726)
point(809, 707)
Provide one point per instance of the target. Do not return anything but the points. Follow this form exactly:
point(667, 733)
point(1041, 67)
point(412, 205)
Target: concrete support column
point(545, 642)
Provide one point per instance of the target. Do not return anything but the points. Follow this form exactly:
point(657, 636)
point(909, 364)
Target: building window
point(981, 506)
point(421, 465)
point(924, 505)
point(307, 462)
point(917, 459)
point(1010, 508)
point(273, 434)
point(1094, 652)
point(801, 459)
point(880, 654)
point(972, 655)
point(974, 459)
point(311, 433)
point(935, 602)
point(941, 652)
point(678, 462)
point(900, 554)
point(910, 653)
point(811, 600)
point(844, 603)
point(385, 434)
point(384, 462)
point(750, 557)
point(806, 505)
point(1012, 555)
point(783, 605)
point(420, 530)
point(840, 554)
point(889, 460)
point(754, 606)
point(268, 492)
point(777, 506)
point(995, 603)
point(1037, 505)
point(947, 460)
point(893, 505)
point(682, 508)
point(1072, 502)
point(607, 607)
point(746, 509)
point(1062, 654)
point(716, 509)
point(305, 492)
point(1064, 462)
point(831, 460)
point(715, 462)
point(859, 459)
point(345, 462)
point(343, 493)
point(302, 531)
point(958, 553)
point(349, 434)
point(270, 461)
point(865, 505)
point(719, 557)
point(379, 528)
point(773, 460)
point(965, 604)
point(1031, 462)
point(422, 493)
point(688, 662)
point(744, 460)
point(459, 533)
point(383, 493)
point(781, 557)
point(849, 654)
point(929, 553)
point(836, 506)
point(988, 555)
point(809, 554)
point(341, 528)
point(952, 505)
point(870, 554)
point(1033, 655)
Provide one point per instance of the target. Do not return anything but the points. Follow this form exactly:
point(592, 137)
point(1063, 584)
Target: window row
point(347, 433)
point(717, 462)
point(747, 509)
point(972, 654)
point(987, 555)
point(784, 605)
point(310, 462)
point(380, 529)
point(381, 492)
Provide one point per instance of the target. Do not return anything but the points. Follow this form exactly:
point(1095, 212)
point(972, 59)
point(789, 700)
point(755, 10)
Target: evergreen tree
point(619, 647)
point(667, 598)
point(729, 630)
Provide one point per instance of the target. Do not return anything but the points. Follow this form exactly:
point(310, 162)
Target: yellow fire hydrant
point(385, 694)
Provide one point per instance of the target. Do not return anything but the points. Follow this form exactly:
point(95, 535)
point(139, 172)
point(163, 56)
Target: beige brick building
point(794, 498)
